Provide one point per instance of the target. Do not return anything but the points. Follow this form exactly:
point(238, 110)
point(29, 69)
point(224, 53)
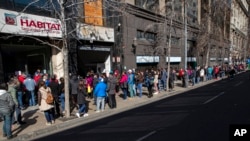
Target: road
point(202, 114)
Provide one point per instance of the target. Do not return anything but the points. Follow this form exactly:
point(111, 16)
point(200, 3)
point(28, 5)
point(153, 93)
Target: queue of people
point(24, 91)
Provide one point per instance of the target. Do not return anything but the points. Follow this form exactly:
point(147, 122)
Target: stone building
point(239, 28)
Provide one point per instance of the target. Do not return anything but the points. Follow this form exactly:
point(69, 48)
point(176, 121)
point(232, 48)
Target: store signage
point(174, 59)
point(95, 33)
point(26, 24)
point(147, 59)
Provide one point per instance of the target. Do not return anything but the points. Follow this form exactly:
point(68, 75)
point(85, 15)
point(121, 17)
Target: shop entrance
point(24, 58)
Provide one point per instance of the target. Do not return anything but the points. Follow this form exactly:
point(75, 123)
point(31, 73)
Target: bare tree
point(214, 25)
point(68, 13)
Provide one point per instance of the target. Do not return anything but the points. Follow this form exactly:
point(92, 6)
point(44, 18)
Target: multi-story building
point(213, 40)
point(146, 30)
point(239, 29)
point(24, 34)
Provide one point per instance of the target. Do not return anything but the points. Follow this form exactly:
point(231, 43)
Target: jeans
point(17, 115)
point(49, 115)
point(131, 90)
point(62, 99)
point(20, 98)
point(125, 93)
point(163, 83)
point(7, 122)
point(198, 80)
point(100, 101)
point(81, 109)
point(31, 95)
point(112, 101)
point(139, 88)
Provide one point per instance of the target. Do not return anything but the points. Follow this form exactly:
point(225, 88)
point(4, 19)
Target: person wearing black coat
point(54, 86)
point(74, 82)
point(81, 100)
point(111, 89)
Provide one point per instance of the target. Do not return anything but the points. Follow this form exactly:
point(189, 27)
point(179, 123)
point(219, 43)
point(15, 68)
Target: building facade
point(213, 42)
point(239, 28)
point(24, 37)
point(146, 30)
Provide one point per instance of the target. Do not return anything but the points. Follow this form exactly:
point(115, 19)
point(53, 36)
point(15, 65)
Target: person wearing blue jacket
point(100, 94)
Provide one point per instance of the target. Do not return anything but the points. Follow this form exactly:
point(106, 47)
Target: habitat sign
point(26, 24)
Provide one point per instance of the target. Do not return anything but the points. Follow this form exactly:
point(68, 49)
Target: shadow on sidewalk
point(29, 121)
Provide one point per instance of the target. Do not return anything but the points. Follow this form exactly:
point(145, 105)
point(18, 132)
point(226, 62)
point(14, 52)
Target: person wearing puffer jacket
point(7, 106)
point(100, 93)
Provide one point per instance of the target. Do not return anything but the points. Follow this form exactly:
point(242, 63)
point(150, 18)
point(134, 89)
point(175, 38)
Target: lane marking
point(213, 98)
point(237, 84)
point(146, 136)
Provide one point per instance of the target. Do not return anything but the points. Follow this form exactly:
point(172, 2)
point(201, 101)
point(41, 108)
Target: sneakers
point(78, 115)
point(53, 121)
point(85, 115)
point(155, 93)
point(48, 123)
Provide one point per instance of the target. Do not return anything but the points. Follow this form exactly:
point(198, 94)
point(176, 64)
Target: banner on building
point(147, 59)
point(95, 33)
point(27, 24)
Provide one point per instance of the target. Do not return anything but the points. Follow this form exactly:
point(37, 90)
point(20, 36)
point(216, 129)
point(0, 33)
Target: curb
point(94, 117)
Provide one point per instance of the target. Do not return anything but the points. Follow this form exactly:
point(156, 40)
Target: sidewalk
point(35, 120)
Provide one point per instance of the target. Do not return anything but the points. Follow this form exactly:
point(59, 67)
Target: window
point(41, 7)
point(151, 5)
point(146, 35)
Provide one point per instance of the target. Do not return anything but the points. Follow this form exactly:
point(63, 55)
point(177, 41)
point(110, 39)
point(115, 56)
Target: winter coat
point(54, 86)
point(42, 96)
point(123, 81)
point(12, 91)
point(100, 89)
point(73, 85)
point(6, 103)
point(81, 96)
point(30, 84)
point(111, 85)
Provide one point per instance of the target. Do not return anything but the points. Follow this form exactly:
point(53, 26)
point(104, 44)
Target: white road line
point(238, 84)
point(213, 98)
point(144, 137)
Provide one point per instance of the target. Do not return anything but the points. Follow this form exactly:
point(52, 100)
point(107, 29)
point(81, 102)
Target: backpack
point(50, 98)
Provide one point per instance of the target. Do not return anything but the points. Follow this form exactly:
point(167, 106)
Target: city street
point(202, 114)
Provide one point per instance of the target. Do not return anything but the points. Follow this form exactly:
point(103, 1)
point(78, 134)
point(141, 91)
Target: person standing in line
point(74, 82)
point(139, 80)
point(95, 82)
point(54, 86)
point(81, 92)
point(149, 83)
point(62, 95)
point(100, 93)
point(30, 86)
point(163, 79)
point(12, 90)
point(111, 89)
point(48, 109)
point(7, 106)
point(131, 82)
point(123, 84)
point(156, 76)
point(20, 89)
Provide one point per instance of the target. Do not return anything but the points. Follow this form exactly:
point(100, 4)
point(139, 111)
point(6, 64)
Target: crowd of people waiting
point(26, 91)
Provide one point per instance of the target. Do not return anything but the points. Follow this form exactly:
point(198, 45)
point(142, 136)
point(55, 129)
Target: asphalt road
point(202, 114)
